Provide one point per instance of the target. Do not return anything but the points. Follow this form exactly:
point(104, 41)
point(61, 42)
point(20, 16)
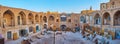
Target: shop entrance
point(117, 33)
point(23, 33)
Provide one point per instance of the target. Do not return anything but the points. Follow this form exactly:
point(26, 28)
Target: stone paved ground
point(64, 38)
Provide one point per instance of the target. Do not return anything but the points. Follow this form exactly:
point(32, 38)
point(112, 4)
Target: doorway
point(23, 32)
point(63, 27)
point(9, 35)
point(37, 29)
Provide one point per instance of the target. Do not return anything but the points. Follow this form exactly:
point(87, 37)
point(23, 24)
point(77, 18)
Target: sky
point(68, 6)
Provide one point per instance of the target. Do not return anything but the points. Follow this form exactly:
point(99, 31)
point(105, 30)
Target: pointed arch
point(21, 18)
point(51, 18)
point(106, 18)
point(45, 19)
point(117, 18)
point(30, 18)
point(36, 18)
point(9, 18)
point(40, 18)
point(97, 19)
point(82, 19)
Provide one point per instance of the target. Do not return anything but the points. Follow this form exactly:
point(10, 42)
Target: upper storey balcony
point(110, 5)
point(8, 19)
point(106, 19)
point(117, 19)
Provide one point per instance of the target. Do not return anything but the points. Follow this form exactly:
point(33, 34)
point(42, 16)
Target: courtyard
point(54, 38)
point(61, 37)
point(60, 22)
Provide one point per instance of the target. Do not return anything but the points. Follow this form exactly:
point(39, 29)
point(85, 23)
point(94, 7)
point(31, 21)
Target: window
point(9, 34)
point(30, 29)
point(57, 20)
point(75, 24)
point(82, 19)
point(90, 18)
point(18, 20)
point(63, 18)
point(22, 32)
point(113, 3)
point(98, 20)
point(103, 6)
point(75, 20)
point(45, 19)
point(41, 18)
point(69, 20)
point(51, 18)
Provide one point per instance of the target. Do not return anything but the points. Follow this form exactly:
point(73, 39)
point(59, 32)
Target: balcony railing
point(106, 24)
point(21, 26)
point(116, 24)
point(30, 23)
point(8, 26)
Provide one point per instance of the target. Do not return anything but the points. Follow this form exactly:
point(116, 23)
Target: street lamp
point(54, 36)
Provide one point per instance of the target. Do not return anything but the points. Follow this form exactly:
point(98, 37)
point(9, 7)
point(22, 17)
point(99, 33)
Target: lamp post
point(54, 37)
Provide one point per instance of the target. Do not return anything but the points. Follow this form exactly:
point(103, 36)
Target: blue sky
point(54, 5)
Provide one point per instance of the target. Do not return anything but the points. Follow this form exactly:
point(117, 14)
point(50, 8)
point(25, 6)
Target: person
point(103, 40)
point(0, 36)
point(96, 41)
point(91, 37)
point(110, 37)
point(107, 42)
point(94, 38)
point(94, 35)
point(4, 24)
point(25, 42)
